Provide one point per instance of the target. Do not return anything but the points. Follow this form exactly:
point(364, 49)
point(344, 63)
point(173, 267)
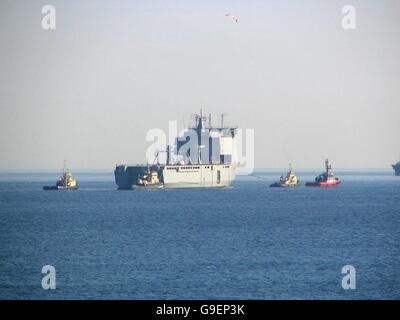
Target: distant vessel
point(396, 168)
point(325, 179)
point(290, 180)
point(66, 182)
point(204, 158)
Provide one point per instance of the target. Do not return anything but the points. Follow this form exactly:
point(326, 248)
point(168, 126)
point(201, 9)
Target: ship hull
point(396, 168)
point(179, 176)
point(155, 186)
point(198, 176)
point(323, 184)
point(279, 185)
point(52, 188)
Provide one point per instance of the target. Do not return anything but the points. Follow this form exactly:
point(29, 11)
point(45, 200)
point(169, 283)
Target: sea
point(248, 241)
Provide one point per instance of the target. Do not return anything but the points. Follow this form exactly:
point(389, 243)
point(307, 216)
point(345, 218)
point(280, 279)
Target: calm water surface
point(245, 242)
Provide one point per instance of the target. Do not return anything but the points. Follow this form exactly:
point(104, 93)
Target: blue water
point(245, 242)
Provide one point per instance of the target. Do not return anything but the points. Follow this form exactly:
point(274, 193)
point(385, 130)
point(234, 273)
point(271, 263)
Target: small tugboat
point(149, 180)
point(325, 179)
point(66, 182)
point(290, 180)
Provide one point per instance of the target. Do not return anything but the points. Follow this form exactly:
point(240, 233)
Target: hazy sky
point(91, 89)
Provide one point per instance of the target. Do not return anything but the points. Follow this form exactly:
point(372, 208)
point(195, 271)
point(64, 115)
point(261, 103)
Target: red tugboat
point(326, 179)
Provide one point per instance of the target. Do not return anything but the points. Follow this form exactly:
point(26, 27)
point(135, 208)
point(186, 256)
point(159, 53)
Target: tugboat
point(66, 182)
point(325, 179)
point(290, 180)
point(149, 180)
point(396, 168)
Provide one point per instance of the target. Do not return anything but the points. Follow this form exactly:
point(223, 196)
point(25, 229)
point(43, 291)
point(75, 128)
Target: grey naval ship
point(396, 168)
point(205, 157)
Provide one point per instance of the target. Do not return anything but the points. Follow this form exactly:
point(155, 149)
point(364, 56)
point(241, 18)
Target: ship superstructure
point(204, 156)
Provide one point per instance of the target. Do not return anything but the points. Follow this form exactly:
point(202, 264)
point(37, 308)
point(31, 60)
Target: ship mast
point(328, 168)
point(222, 119)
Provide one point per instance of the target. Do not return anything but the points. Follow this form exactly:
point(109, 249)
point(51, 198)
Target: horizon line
point(103, 170)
